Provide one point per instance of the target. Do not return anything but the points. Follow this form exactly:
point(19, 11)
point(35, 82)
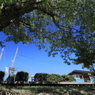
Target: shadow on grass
point(52, 90)
point(59, 90)
point(89, 90)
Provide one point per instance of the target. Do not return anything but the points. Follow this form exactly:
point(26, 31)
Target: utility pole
point(11, 70)
point(14, 57)
point(1, 53)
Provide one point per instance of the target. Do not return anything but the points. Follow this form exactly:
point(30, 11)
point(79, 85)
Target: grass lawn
point(52, 90)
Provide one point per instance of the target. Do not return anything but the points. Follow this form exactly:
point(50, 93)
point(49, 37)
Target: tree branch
point(16, 10)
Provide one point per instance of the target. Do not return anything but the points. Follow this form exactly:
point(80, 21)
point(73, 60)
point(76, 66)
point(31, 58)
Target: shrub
point(63, 77)
point(1, 75)
point(10, 78)
point(40, 77)
point(53, 78)
point(67, 78)
point(22, 76)
point(70, 78)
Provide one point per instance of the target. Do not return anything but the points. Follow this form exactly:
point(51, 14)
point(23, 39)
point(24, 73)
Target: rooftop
point(79, 71)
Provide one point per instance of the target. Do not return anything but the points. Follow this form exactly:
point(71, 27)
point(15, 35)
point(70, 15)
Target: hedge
point(1, 75)
point(67, 78)
point(21, 76)
point(54, 78)
point(40, 77)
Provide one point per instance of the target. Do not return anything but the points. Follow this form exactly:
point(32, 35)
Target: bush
point(22, 76)
point(67, 78)
point(53, 78)
point(10, 78)
point(1, 75)
point(40, 77)
point(63, 77)
point(70, 77)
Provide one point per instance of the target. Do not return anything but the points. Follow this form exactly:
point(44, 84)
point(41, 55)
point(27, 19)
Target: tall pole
point(11, 70)
point(14, 69)
point(1, 53)
point(14, 57)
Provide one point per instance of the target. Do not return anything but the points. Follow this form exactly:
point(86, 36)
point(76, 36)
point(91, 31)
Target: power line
point(34, 59)
point(28, 57)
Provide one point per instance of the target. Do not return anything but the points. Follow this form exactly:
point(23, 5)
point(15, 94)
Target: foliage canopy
point(10, 78)
point(40, 77)
point(21, 76)
point(55, 25)
point(1, 76)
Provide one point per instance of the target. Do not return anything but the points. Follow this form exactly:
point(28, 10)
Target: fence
point(21, 83)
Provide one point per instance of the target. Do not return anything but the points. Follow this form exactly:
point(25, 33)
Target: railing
point(21, 83)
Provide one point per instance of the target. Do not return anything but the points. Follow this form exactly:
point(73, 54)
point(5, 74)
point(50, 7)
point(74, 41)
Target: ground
point(51, 90)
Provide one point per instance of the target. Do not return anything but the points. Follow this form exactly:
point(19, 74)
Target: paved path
point(76, 83)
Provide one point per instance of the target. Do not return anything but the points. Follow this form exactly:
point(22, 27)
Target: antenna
point(1, 53)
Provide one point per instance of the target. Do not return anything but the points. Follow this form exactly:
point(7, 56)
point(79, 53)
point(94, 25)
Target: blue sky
point(32, 60)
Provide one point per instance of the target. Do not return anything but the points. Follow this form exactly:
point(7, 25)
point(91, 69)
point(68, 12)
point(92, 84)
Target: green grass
point(54, 90)
point(7, 90)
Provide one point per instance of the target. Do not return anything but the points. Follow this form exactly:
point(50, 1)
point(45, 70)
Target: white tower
point(11, 70)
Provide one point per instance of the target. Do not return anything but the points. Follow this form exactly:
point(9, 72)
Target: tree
point(1, 75)
point(68, 78)
point(21, 76)
point(10, 78)
point(54, 78)
point(40, 77)
point(55, 25)
point(85, 51)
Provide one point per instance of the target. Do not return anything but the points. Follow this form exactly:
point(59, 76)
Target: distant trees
point(40, 77)
point(10, 78)
point(21, 76)
point(52, 78)
point(67, 78)
point(1, 75)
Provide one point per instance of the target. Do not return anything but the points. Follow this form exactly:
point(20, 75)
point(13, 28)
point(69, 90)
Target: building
point(83, 76)
point(32, 78)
